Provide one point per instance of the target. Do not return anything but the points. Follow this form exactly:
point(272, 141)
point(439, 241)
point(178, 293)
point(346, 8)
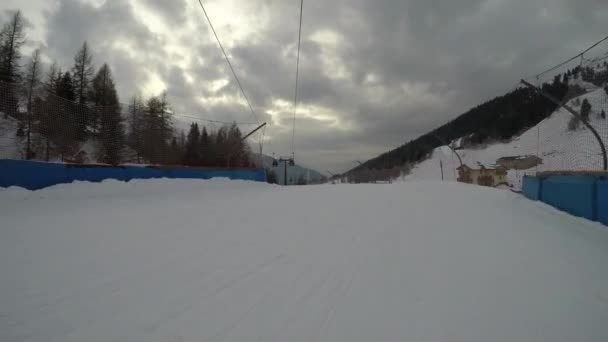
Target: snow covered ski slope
point(183, 260)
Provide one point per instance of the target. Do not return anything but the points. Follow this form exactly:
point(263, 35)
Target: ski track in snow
point(220, 261)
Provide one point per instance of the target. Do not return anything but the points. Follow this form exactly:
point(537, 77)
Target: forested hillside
point(499, 119)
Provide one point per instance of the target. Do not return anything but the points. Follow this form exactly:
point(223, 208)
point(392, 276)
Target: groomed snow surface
point(187, 260)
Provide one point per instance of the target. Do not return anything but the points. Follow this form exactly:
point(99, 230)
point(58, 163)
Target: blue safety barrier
point(579, 195)
point(34, 175)
point(574, 194)
point(139, 172)
point(532, 187)
point(95, 173)
point(602, 201)
point(31, 175)
point(190, 173)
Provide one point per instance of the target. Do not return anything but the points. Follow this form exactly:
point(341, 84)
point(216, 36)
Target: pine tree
point(181, 141)
point(47, 124)
point(32, 82)
point(192, 156)
point(220, 148)
point(82, 73)
point(165, 118)
point(205, 148)
point(603, 114)
point(585, 110)
point(237, 150)
point(136, 126)
point(157, 130)
point(12, 37)
point(177, 148)
point(52, 79)
point(65, 87)
point(150, 131)
point(66, 126)
point(107, 106)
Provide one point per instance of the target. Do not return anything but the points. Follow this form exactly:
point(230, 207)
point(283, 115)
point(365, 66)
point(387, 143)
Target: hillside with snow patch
point(551, 140)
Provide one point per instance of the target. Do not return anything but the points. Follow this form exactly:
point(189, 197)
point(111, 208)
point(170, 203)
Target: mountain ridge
point(497, 120)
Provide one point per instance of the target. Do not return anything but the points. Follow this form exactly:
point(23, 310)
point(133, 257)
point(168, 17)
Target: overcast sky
point(374, 73)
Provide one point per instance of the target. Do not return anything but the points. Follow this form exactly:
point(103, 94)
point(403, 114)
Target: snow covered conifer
point(107, 107)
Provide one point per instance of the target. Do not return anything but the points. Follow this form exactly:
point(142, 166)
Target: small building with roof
point(484, 176)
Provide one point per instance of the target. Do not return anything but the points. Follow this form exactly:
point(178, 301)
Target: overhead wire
point(215, 121)
point(571, 59)
point(295, 96)
point(238, 81)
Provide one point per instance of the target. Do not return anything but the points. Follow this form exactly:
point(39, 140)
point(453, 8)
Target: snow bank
point(185, 260)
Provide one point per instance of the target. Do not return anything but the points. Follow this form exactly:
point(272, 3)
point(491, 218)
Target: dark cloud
point(374, 74)
point(111, 31)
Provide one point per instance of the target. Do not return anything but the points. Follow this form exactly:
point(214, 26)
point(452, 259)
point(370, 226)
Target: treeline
point(595, 75)
point(499, 119)
point(60, 111)
point(224, 148)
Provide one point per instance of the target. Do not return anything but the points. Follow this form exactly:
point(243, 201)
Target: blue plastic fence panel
point(573, 194)
point(140, 172)
point(602, 201)
point(31, 175)
point(252, 175)
point(532, 187)
point(94, 173)
point(187, 173)
point(219, 174)
point(257, 175)
point(37, 175)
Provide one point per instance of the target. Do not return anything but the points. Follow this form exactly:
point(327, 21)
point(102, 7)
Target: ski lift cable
point(228, 61)
point(295, 96)
point(211, 120)
point(573, 58)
